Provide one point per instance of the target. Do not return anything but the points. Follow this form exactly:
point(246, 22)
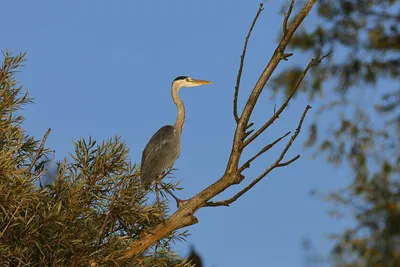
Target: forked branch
point(312, 63)
point(277, 164)
point(287, 15)
point(276, 58)
point(262, 151)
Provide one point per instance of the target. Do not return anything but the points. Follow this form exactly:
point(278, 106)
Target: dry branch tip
point(288, 162)
point(285, 56)
point(242, 57)
point(286, 17)
point(249, 125)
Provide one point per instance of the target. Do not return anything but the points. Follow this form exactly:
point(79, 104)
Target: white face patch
point(184, 83)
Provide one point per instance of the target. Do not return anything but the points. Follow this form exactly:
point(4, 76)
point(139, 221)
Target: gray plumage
point(160, 153)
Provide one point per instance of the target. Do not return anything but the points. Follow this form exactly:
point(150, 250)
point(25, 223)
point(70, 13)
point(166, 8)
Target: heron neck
point(181, 108)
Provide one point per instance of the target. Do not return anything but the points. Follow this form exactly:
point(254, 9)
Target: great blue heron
point(164, 147)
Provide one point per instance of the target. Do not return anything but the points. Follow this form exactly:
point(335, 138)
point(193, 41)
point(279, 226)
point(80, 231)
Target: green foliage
point(90, 211)
point(363, 37)
point(366, 32)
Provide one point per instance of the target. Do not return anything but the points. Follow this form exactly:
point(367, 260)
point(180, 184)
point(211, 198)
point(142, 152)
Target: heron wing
point(160, 152)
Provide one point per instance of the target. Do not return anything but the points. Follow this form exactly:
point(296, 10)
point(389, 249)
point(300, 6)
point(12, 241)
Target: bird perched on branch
point(164, 147)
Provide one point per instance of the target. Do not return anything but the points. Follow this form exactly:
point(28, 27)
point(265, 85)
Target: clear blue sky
point(98, 68)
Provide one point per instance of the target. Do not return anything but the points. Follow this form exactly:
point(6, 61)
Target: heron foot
point(181, 202)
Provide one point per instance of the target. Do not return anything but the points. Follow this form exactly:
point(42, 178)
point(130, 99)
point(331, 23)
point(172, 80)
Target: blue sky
point(98, 68)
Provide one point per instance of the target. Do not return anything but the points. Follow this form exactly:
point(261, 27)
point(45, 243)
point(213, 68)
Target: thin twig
point(276, 164)
point(39, 150)
point(239, 76)
point(286, 18)
point(248, 133)
point(249, 125)
point(288, 162)
point(262, 151)
point(285, 56)
point(312, 63)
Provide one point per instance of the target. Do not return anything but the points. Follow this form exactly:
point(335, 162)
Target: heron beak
point(201, 82)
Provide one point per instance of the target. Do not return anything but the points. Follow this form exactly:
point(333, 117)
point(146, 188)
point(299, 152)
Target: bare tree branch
point(185, 215)
point(276, 164)
point(287, 15)
point(248, 133)
point(239, 76)
point(288, 162)
point(262, 151)
point(312, 63)
point(249, 125)
point(278, 55)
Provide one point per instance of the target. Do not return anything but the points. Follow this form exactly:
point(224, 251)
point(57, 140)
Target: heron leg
point(179, 202)
point(157, 190)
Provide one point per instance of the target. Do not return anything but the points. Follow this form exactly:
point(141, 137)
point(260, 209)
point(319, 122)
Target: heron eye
point(188, 79)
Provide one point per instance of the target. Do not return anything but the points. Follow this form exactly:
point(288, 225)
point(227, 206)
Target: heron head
point(184, 81)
